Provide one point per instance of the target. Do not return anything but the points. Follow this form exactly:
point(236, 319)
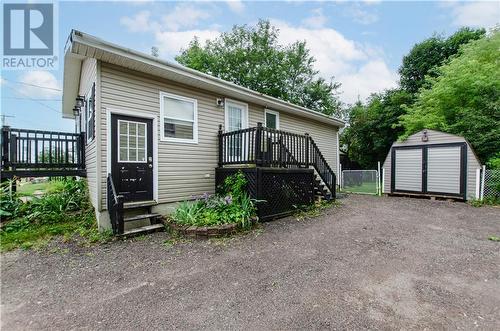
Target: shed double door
point(429, 169)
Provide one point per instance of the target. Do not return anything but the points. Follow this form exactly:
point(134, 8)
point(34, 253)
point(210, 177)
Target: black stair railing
point(268, 147)
point(115, 207)
point(318, 161)
point(287, 158)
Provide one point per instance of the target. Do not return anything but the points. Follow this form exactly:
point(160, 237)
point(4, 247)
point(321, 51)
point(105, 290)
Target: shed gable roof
point(434, 137)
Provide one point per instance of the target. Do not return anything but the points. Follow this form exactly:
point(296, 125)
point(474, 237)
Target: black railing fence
point(266, 147)
point(24, 149)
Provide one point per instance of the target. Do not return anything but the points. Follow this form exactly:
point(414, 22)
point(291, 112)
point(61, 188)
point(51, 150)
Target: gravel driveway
point(378, 263)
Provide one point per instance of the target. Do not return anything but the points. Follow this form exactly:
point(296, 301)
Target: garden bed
point(206, 231)
point(212, 215)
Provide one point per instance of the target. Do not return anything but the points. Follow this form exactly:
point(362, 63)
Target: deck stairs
point(321, 192)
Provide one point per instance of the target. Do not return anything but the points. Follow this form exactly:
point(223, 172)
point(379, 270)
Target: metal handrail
point(115, 207)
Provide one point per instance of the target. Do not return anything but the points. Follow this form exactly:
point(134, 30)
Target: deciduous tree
point(464, 99)
point(253, 57)
point(426, 56)
point(372, 127)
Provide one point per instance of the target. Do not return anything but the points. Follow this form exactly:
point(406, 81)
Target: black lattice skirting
point(279, 191)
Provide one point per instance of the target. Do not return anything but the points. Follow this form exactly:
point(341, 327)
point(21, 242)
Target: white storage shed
point(432, 163)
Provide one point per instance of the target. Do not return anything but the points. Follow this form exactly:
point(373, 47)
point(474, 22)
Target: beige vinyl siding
point(87, 78)
point(437, 137)
point(187, 169)
point(182, 167)
point(324, 135)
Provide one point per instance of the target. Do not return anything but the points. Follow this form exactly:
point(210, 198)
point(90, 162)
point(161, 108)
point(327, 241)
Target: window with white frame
point(132, 141)
point(236, 118)
point(179, 118)
point(90, 114)
point(272, 119)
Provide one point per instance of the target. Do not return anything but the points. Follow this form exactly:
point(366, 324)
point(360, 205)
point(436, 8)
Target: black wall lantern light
point(80, 101)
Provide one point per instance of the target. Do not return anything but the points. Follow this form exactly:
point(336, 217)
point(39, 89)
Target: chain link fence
point(360, 181)
point(491, 184)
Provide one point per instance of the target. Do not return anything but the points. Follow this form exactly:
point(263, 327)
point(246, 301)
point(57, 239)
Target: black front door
point(132, 157)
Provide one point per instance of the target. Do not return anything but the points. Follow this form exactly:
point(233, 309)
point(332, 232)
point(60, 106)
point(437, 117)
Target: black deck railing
point(322, 167)
point(267, 147)
point(115, 207)
point(27, 153)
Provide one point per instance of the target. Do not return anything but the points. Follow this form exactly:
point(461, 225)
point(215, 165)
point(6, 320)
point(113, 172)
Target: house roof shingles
point(81, 45)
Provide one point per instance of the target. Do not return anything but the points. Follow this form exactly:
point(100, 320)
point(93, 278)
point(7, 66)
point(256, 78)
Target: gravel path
point(377, 263)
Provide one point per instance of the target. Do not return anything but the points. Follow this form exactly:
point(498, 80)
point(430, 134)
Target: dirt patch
point(377, 263)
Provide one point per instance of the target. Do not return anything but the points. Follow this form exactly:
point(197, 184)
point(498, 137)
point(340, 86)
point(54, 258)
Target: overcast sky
point(361, 44)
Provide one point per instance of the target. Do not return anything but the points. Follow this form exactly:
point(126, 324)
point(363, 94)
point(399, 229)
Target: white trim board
point(98, 136)
point(337, 152)
point(109, 112)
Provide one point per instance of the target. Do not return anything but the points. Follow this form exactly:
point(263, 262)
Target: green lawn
point(367, 187)
point(38, 236)
point(29, 188)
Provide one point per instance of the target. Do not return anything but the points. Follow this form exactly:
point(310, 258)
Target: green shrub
point(235, 185)
point(491, 201)
point(231, 205)
point(66, 211)
point(10, 204)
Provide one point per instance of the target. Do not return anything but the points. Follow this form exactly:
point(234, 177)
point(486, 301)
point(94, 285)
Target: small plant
point(10, 204)
point(231, 205)
point(494, 238)
point(490, 201)
point(315, 210)
point(188, 213)
point(235, 185)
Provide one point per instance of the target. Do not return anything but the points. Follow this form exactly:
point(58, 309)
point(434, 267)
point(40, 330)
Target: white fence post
point(478, 183)
point(340, 176)
point(379, 189)
point(383, 181)
point(482, 182)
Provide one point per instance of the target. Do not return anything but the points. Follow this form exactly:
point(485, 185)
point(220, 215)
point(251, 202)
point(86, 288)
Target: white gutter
point(169, 67)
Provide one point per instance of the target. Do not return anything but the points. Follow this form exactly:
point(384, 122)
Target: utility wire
point(33, 99)
point(34, 85)
point(27, 96)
